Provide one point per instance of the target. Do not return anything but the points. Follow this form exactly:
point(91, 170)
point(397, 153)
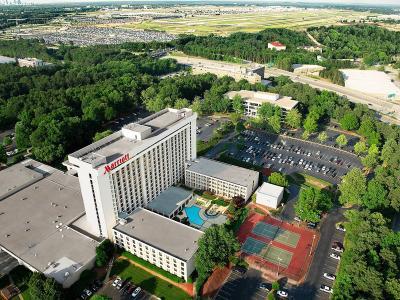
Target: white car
point(88, 292)
point(136, 292)
point(335, 256)
point(340, 227)
point(282, 294)
point(116, 281)
point(329, 276)
point(326, 289)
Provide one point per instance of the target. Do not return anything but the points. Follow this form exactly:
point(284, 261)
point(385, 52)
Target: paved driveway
point(113, 293)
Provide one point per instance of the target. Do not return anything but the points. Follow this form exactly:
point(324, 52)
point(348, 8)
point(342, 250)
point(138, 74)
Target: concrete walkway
point(186, 287)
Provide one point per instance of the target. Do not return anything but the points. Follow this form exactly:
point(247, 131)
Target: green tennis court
point(277, 234)
point(253, 246)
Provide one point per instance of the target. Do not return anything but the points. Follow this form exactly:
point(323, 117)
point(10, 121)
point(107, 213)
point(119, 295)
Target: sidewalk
point(186, 287)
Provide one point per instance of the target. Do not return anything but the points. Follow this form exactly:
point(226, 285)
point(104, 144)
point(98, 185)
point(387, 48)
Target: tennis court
point(277, 234)
point(268, 252)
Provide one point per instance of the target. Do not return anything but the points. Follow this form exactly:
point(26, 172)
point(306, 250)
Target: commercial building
point(269, 195)
point(168, 244)
point(253, 100)
point(7, 60)
point(30, 62)
point(311, 48)
point(171, 201)
point(43, 222)
point(253, 73)
point(300, 69)
point(131, 167)
point(221, 178)
point(278, 46)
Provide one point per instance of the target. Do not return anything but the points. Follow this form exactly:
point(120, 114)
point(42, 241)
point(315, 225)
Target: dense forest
point(371, 43)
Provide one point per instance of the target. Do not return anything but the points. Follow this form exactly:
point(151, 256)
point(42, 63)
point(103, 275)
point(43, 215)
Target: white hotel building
point(131, 167)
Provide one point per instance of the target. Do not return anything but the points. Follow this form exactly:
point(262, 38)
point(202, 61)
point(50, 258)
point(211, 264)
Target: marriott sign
point(116, 163)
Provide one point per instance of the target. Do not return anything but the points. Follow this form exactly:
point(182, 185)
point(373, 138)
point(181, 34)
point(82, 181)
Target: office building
point(220, 178)
point(253, 100)
point(43, 221)
point(131, 167)
point(30, 62)
point(269, 195)
point(168, 244)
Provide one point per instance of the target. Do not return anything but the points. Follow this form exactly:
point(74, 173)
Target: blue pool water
point(193, 214)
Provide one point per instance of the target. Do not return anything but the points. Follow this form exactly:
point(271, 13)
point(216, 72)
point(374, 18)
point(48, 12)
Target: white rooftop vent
point(66, 274)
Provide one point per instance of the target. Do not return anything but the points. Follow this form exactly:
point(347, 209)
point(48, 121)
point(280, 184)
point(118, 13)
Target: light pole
point(312, 244)
point(279, 264)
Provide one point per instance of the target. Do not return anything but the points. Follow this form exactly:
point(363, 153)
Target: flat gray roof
point(223, 171)
point(169, 200)
point(271, 190)
point(34, 222)
point(167, 235)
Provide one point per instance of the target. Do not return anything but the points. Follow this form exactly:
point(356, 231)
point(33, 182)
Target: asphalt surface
point(389, 111)
point(206, 127)
point(114, 294)
point(7, 263)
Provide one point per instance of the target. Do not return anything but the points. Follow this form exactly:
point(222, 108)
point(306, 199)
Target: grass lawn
point(147, 281)
point(305, 179)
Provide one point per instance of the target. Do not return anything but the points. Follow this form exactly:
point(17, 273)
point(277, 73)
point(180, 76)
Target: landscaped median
point(150, 278)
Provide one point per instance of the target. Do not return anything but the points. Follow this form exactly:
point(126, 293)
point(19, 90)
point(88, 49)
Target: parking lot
point(289, 155)
point(206, 127)
point(125, 293)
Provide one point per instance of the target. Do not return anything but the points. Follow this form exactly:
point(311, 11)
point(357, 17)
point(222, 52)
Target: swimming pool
point(193, 213)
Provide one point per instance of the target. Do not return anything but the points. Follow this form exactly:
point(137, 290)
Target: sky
point(375, 2)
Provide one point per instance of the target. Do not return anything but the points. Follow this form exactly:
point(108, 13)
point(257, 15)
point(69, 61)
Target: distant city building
point(269, 195)
point(252, 101)
point(278, 46)
point(220, 178)
point(168, 244)
point(43, 221)
point(253, 73)
point(300, 69)
point(7, 60)
point(311, 48)
point(30, 62)
point(131, 167)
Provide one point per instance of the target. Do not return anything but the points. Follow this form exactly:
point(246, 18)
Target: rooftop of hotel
point(169, 200)
point(160, 232)
point(131, 135)
point(223, 171)
point(34, 220)
point(284, 102)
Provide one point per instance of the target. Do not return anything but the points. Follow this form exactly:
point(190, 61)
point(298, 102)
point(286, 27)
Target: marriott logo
point(116, 163)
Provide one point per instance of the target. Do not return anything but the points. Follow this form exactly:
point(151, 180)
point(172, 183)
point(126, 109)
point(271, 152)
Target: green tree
point(198, 106)
point(322, 137)
point(237, 104)
point(311, 122)
point(3, 156)
point(371, 159)
point(341, 140)
point(353, 187)
point(312, 203)
point(181, 103)
point(375, 196)
point(235, 118)
point(7, 141)
point(293, 118)
point(43, 288)
point(278, 179)
point(305, 135)
point(360, 147)
point(104, 252)
point(99, 135)
point(275, 123)
point(389, 151)
point(349, 121)
point(266, 111)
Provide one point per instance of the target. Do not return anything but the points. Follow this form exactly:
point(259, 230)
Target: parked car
point(136, 292)
point(340, 227)
point(239, 269)
point(297, 219)
point(338, 247)
point(335, 256)
point(282, 294)
point(326, 289)
point(88, 292)
point(329, 276)
point(311, 225)
point(116, 281)
point(265, 286)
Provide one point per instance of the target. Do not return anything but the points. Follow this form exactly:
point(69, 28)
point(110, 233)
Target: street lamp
point(279, 264)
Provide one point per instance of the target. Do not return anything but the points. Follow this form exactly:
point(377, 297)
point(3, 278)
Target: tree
point(181, 103)
point(198, 106)
point(305, 135)
point(238, 201)
point(275, 123)
point(311, 122)
point(7, 141)
point(312, 203)
point(360, 147)
point(341, 140)
point(266, 111)
point(43, 288)
point(237, 105)
point(375, 196)
point(371, 160)
point(235, 118)
point(293, 118)
point(104, 252)
point(99, 135)
point(3, 155)
point(349, 121)
point(389, 151)
point(353, 187)
point(322, 137)
point(215, 248)
point(278, 179)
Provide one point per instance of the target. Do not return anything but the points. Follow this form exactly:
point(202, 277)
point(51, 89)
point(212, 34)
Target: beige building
point(253, 73)
point(278, 46)
point(220, 178)
point(252, 100)
point(168, 244)
point(300, 69)
point(30, 62)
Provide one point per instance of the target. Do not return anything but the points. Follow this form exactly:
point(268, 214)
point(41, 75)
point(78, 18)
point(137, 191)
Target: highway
point(389, 112)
